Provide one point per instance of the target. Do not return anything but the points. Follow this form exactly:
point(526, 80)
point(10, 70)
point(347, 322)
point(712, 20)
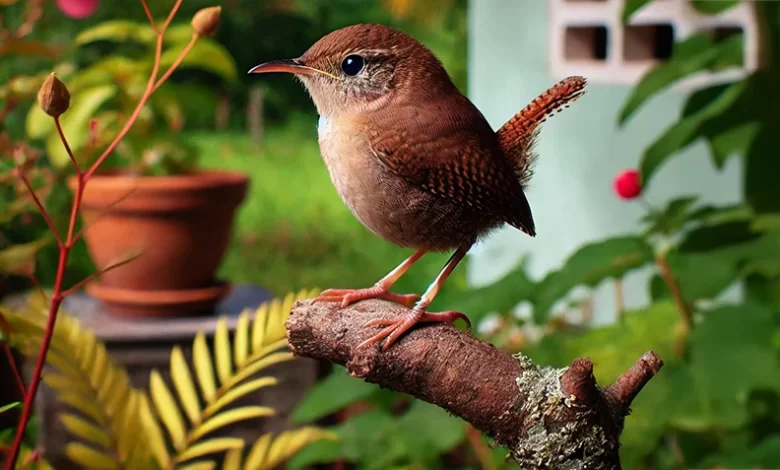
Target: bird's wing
point(452, 156)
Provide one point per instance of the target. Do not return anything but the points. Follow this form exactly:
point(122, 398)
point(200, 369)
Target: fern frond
point(105, 421)
point(268, 453)
point(187, 412)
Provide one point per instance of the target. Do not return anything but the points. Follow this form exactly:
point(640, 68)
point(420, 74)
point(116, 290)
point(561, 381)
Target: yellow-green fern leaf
point(92, 458)
point(241, 347)
point(222, 350)
point(156, 441)
point(268, 453)
point(180, 374)
point(229, 417)
point(167, 409)
point(88, 381)
point(85, 430)
point(258, 327)
point(198, 466)
point(211, 446)
point(203, 366)
point(224, 374)
point(235, 393)
point(232, 459)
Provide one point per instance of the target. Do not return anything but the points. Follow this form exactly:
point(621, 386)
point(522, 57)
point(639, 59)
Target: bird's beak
point(294, 66)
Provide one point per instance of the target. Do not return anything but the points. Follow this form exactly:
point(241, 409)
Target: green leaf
point(702, 275)
point(10, 406)
point(371, 439)
point(758, 256)
point(765, 454)
point(20, 259)
point(179, 33)
point(630, 7)
point(731, 142)
point(766, 223)
point(685, 131)
point(589, 266)
point(332, 394)
point(37, 124)
point(712, 390)
point(711, 7)
point(731, 53)
point(717, 236)
point(429, 431)
point(761, 169)
point(673, 216)
point(692, 55)
point(75, 122)
point(116, 31)
point(207, 55)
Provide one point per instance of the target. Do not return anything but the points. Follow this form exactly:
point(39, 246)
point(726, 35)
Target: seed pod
point(53, 97)
point(206, 21)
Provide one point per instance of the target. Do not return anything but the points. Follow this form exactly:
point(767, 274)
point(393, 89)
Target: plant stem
point(65, 247)
point(620, 304)
point(42, 209)
point(674, 288)
point(29, 398)
point(144, 98)
point(177, 62)
point(67, 147)
point(17, 376)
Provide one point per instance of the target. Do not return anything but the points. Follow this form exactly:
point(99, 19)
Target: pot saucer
point(159, 303)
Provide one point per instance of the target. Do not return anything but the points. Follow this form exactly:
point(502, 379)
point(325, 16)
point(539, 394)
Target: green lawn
point(293, 231)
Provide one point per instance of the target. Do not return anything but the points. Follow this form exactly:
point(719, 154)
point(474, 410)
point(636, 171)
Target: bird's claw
point(350, 296)
point(394, 328)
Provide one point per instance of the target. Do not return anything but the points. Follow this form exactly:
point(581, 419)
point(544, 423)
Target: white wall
point(581, 149)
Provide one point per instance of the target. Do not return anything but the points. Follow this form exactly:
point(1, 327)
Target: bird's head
point(363, 67)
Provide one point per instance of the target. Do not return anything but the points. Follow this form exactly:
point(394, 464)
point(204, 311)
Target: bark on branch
point(547, 417)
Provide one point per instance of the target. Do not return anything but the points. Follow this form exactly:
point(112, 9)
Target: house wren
point(414, 160)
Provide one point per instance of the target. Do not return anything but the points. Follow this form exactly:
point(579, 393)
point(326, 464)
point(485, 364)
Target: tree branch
point(547, 417)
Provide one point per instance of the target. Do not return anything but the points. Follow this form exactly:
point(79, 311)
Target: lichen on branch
point(546, 417)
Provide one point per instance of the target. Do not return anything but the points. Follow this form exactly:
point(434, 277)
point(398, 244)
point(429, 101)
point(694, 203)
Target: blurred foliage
point(106, 71)
point(114, 425)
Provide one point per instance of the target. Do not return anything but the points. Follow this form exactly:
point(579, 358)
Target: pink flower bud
point(628, 184)
point(78, 9)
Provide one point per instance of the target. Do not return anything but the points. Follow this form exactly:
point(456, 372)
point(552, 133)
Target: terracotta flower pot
point(179, 226)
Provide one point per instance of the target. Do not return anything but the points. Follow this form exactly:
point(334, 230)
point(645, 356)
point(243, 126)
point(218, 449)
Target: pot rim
point(195, 180)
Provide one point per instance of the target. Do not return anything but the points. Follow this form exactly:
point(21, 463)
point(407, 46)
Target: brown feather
point(446, 147)
point(518, 136)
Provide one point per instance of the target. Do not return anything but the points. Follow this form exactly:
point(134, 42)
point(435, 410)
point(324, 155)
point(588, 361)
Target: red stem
point(67, 146)
point(42, 209)
point(58, 295)
point(17, 376)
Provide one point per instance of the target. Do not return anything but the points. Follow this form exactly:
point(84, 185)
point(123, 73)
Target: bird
point(413, 158)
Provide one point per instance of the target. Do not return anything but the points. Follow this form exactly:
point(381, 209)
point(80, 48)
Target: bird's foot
point(349, 296)
point(394, 328)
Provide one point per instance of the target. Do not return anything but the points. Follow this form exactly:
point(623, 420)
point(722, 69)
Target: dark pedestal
point(145, 344)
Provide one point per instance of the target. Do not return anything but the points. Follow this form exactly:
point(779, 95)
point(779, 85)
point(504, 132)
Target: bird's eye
point(352, 65)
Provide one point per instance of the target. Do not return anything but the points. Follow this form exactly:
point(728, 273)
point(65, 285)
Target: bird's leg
point(394, 328)
point(380, 290)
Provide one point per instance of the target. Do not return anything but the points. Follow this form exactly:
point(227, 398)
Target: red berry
point(627, 184)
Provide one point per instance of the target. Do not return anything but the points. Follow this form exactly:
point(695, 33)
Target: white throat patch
point(323, 126)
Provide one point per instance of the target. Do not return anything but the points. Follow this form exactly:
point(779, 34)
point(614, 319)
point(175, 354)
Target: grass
point(293, 231)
